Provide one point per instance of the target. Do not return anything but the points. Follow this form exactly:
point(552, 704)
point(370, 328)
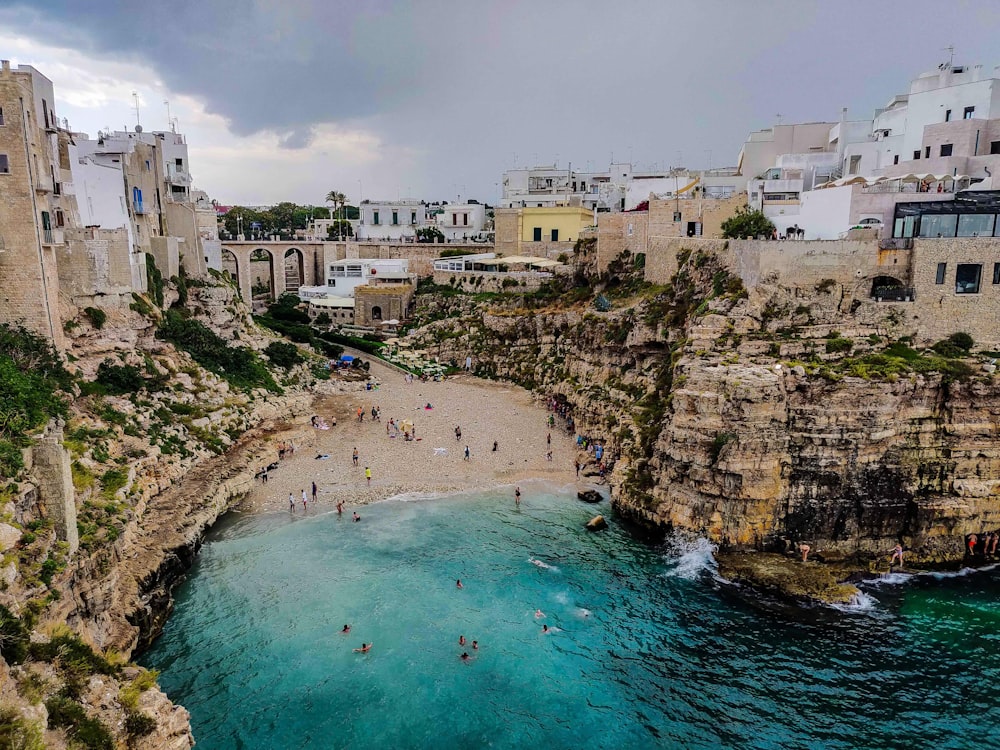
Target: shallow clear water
point(665, 658)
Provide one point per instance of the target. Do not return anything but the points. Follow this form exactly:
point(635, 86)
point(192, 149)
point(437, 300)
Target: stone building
point(375, 304)
point(35, 200)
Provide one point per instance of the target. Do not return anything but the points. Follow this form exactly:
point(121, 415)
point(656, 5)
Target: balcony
point(52, 237)
point(177, 176)
point(137, 207)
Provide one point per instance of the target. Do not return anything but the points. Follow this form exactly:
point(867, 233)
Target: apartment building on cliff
point(34, 206)
point(939, 138)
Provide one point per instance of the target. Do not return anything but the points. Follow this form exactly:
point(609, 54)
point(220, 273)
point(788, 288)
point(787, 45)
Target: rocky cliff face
point(757, 419)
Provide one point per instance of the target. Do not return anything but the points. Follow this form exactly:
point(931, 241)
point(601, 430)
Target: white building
point(458, 221)
point(940, 137)
point(390, 220)
point(344, 276)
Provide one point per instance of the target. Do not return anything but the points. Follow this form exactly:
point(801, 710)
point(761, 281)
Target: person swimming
point(545, 629)
point(347, 629)
point(365, 648)
point(461, 640)
point(356, 516)
point(539, 614)
point(465, 656)
point(458, 584)
point(475, 645)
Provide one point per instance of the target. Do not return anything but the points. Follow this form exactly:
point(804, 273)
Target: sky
point(382, 100)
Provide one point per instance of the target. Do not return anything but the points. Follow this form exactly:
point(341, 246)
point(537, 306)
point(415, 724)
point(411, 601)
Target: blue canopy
point(346, 358)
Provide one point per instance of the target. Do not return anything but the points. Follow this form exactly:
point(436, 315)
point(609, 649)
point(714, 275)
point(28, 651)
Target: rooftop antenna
point(135, 98)
point(170, 120)
point(777, 117)
point(950, 49)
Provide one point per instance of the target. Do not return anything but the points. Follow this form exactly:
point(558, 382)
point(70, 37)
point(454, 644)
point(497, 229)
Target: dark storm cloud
point(466, 85)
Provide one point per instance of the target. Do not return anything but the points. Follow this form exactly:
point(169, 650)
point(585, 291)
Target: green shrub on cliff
point(237, 364)
point(18, 733)
point(14, 637)
point(31, 376)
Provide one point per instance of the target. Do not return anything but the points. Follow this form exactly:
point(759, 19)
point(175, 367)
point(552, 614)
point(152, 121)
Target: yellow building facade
point(540, 231)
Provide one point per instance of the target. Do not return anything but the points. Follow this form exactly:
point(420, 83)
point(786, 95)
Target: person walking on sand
point(466, 453)
point(355, 455)
point(548, 439)
point(315, 491)
point(368, 476)
point(517, 496)
point(495, 446)
point(458, 434)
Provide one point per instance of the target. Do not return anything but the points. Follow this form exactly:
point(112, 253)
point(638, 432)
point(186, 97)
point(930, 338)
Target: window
point(179, 163)
point(555, 235)
point(995, 147)
point(395, 218)
point(895, 159)
point(583, 185)
point(60, 218)
point(1, 115)
point(4, 165)
point(855, 164)
point(967, 277)
point(413, 217)
point(916, 154)
point(940, 225)
point(942, 268)
point(465, 220)
point(975, 225)
point(536, 234)
point(375, 218)
point(454, 220)
point(947, 115)
point(149, 166)
point(968, 112)
point(996, 273)
point(946, 149)
point(927, 152)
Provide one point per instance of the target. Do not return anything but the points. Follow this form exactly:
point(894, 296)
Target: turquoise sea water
point(647, 649)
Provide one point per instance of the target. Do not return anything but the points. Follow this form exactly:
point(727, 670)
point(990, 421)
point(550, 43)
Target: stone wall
point(29, 292)
point(486, 281)
point(51, 468)
point(95, 262)
point(661, 255)
point(939, 310)
point(393, 302)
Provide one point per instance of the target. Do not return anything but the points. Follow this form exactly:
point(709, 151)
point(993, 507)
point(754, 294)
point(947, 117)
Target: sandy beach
point(486, 412)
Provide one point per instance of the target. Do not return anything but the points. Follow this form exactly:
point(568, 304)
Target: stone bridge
point(304, 266)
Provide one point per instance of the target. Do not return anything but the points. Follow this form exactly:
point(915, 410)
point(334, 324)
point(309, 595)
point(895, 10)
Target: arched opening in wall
point(261, 279)
point(231, 266)
point(294, 270)
point(376, 313)
point(891, 289)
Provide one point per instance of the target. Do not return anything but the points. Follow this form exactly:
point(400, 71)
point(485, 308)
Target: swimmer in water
point(539, 614)
point(475, 645)
point(458, 584)
point(545, 629)
point(465, 656)
point(461, 640)
point(365, 648)
point(539, 563)
point(347, 629)
point(356, 516)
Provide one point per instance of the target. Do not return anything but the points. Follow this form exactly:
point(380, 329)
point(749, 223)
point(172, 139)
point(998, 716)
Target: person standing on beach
point(355, 456)
point(368, 476)
point(263, 475)
point(517, 496)
point(305, 501)
point(466, 453)
point(315, 490)
point(340, 507)
point(291, 501)
point(576, 463)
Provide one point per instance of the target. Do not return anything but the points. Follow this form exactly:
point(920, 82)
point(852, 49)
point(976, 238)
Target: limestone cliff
point(757, 418)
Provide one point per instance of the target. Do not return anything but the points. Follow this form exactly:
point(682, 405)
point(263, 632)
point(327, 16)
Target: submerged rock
point(589, 496)
point(788, 578)
point(597, 523)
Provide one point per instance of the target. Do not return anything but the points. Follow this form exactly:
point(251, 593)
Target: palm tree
point(337, 198)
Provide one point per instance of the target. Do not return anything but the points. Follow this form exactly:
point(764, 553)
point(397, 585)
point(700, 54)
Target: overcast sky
point(288, 99)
